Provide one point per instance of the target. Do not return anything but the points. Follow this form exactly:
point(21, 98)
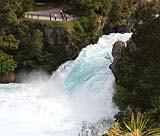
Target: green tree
point(101, 7)
point(13, 10)
point(7, 14)
point(27, 5)
point(120, 12)
point(8, 42)
point(29, 54)
point(138, 72)
point(146, 10)
point(7, 63)
point(36, 42)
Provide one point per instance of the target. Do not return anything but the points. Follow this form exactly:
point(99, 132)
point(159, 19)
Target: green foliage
point(27, 5)
point(78, 27)
point(139, 126)
point(8, 42)
point(93, 21)
point(139, 73)
point(120, 12)
point(7, 63)
point(7, 14)
point(12, 11)
point(36, 42)
point(29, 54)
point(146, 10)
point(89, 23)
point(101, 7)
point(35, 53)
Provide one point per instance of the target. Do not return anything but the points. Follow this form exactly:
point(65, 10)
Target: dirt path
point(46, 15)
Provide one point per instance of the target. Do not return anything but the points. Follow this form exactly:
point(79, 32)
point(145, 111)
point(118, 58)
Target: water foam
point(75, 101)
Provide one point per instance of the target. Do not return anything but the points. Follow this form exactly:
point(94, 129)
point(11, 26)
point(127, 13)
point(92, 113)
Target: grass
point(69, 25)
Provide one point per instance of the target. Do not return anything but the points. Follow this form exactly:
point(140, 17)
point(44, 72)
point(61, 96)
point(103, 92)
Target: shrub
point(7, 63)
point(78, 27)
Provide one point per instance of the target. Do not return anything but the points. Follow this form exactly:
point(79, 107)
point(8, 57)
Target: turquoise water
point(75, 101)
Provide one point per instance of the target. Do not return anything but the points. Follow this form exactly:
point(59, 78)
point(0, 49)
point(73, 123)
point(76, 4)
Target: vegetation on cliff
point(137, 125)
point(7, 64)
point(138, 74)
point(34, 44)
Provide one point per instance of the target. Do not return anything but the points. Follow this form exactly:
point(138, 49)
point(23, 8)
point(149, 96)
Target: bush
point(138, 73)
point(8, 42)
point(7, 63)
point(137, 125)
point(78, 27)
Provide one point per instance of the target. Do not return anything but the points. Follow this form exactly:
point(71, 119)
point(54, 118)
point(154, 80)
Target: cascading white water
point(75, 101)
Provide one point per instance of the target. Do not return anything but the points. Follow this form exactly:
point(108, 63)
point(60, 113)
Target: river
point(75, 101)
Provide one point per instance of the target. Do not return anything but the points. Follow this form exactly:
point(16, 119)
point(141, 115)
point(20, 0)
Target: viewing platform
point(47, 15)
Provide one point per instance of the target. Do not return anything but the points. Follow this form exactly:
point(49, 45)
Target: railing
point(50, 17)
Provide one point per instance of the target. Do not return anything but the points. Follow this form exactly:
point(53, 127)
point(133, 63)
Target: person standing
point(55, 16)
point(66, 17)
point(61, 14)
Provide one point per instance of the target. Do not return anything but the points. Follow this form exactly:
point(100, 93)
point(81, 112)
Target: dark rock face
point(118, 49)
point(123, 29)
point(56, 36)
point(131, 46)
point(59, 37)
point(116, 29)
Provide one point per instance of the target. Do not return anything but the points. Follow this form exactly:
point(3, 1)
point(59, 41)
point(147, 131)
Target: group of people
point(64, 16)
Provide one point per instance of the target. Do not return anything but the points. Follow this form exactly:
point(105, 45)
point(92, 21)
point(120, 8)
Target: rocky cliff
point(118, 49)
point(57, 36)
point(117, 52)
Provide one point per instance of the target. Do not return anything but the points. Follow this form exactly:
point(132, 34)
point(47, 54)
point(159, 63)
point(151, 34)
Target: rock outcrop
point(117, 52)
point(117, 29)
point(56, 36)
point(118, 49)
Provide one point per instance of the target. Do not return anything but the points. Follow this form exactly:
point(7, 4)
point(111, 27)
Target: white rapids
point(75, 101)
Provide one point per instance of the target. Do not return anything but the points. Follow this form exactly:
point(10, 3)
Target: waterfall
point(75, 101)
